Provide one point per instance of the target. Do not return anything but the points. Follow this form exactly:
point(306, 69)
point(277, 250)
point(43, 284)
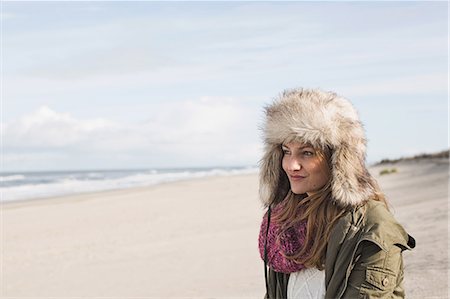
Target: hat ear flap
point(273, 182)
point(349, 184)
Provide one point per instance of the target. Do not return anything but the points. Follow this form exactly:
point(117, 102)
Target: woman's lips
point(297, 177)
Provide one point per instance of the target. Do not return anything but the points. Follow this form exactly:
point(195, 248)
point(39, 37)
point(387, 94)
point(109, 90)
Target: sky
point(121, 85)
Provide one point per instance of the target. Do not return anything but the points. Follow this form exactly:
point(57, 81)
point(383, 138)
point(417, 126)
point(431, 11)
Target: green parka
point(363, 259)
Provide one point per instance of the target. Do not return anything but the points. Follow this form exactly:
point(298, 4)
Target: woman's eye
point(285, 151)
point(308, 153)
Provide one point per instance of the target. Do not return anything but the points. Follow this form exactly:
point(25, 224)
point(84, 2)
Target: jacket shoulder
point(377, 224)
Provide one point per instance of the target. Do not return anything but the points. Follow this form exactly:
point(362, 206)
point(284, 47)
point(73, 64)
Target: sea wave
point(11, 178)
point(77, 182)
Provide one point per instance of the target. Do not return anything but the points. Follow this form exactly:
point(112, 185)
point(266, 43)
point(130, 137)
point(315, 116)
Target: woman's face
point(306, 170)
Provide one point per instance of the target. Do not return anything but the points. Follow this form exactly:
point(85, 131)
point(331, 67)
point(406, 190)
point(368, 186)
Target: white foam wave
point(11, 178)
point(95, 175)
point(72, 185)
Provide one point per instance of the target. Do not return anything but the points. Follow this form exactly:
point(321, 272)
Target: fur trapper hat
point(322, 119)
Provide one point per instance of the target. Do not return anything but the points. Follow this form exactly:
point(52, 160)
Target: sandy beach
point(193, 239)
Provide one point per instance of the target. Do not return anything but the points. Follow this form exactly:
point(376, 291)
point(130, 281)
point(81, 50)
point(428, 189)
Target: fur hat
point(322, 119)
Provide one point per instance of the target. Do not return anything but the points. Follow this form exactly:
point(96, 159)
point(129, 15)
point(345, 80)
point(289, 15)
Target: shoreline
point(111, 192)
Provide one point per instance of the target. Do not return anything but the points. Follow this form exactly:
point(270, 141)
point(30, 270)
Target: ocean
point(15, 186)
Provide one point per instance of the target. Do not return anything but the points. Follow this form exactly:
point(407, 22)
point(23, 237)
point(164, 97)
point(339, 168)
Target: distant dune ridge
point(439, 155)
point(195, 238)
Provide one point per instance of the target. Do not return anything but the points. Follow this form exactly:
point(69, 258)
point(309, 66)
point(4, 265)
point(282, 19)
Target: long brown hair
point(321, 213)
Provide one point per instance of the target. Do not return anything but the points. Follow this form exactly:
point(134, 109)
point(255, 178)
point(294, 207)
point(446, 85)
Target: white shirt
point(306, 284)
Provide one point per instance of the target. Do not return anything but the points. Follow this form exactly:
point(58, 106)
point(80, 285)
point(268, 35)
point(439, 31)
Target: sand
point(191, 239)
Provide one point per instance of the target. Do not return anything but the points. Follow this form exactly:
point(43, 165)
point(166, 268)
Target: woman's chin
point(298, 191)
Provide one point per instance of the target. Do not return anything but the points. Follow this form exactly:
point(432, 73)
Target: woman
point(327, 232)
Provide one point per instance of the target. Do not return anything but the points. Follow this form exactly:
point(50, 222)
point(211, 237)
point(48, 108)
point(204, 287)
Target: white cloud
point(45, 128)
point(207, 131)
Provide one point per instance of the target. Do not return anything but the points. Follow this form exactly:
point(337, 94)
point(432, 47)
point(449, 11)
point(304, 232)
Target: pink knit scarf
point(281, 243)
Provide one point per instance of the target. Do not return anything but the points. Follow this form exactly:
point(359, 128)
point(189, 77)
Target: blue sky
point(101, 85)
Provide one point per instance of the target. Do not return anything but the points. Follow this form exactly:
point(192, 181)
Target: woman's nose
point(294, 164)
